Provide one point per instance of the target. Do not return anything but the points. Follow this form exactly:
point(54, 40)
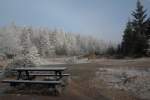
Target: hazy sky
point(104, 19)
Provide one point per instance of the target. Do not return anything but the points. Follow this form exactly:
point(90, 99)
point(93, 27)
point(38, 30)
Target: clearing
point(101, 79)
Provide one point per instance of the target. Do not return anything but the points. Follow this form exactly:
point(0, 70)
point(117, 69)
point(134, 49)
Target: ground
point(85, 84)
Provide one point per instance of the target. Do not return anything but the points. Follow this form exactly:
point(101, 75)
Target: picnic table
point(57, 72)
point(27, 76)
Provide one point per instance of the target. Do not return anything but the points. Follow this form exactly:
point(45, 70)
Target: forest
point(17, 40)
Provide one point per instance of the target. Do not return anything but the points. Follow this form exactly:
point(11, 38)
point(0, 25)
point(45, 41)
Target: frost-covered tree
point(60, 44)
point(9, 40)
point(25, 41)
point(47, 42)
point(43, 44)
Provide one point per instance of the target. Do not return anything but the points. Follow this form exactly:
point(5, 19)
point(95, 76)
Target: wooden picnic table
point(29, 72)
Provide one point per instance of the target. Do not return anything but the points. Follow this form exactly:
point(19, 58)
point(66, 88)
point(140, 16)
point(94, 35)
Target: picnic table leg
point(58, 75)
point(54, 90)
point(19, 75)
point(27, 75)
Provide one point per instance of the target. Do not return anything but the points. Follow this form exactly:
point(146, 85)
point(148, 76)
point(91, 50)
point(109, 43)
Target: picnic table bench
point(27, 76)
point(15, 82)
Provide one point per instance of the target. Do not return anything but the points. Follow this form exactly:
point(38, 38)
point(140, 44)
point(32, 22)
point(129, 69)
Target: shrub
point(16, 63)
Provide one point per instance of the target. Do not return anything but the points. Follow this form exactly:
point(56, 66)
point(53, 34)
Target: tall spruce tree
point(134, 39)
point(148, 36)
point(127, 42)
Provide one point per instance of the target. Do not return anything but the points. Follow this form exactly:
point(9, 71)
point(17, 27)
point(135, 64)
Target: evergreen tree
point(148, 36)
point(128, 38)
point(139, 26)
point(134, 39)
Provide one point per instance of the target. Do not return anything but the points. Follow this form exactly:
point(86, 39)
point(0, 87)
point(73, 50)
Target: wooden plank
point(32, 82)
point(49, 75)
point(53, 65)
point(40, 69)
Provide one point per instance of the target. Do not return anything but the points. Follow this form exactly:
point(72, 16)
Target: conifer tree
point(135, 39)
point(128, 39)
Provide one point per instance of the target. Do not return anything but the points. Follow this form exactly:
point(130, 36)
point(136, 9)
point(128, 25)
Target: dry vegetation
point(84, 84)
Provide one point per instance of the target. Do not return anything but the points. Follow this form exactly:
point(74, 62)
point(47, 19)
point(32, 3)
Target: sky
point(103, 19)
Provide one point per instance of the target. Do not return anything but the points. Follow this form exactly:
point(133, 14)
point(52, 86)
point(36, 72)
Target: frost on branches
point(43, 42)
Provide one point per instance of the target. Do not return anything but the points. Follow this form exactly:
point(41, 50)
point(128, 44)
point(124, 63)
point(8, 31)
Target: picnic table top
point(40, 69)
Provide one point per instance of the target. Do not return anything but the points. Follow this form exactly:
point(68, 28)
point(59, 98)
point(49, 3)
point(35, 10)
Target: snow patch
point(136, 81)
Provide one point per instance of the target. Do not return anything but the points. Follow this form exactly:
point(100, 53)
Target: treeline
point(17, 40)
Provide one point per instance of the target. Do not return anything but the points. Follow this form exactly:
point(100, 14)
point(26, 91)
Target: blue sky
point(104, 19)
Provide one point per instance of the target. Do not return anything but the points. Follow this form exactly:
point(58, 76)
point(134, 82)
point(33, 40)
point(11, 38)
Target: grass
point(84, 85)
